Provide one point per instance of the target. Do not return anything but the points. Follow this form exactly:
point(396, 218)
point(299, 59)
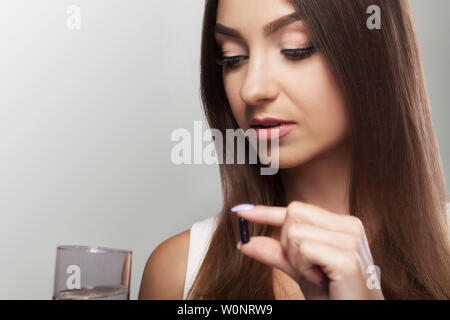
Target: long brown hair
point(397, 180)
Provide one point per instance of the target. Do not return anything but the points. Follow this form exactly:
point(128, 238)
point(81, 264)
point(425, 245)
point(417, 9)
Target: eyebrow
point(268, 29)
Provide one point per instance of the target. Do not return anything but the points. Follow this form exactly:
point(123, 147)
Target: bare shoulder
point(165, 271)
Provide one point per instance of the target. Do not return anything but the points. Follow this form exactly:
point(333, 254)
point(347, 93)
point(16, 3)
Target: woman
point(360, 186)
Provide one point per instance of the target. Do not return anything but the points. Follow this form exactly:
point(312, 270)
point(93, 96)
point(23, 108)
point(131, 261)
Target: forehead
point(251, 19)
point(251, 14)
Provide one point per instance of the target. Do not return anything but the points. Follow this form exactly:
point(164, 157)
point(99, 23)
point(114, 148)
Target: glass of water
point(89, 272)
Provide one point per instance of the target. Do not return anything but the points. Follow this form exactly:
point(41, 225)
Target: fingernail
point(242, 207)
point(243, 230)
point(239, 245)
point(316, 283)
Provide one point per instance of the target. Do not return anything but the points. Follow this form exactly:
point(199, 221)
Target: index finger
point(274, 216)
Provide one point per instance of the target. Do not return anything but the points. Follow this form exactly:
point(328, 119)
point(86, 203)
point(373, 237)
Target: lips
point(271, 128)
point(268, 122)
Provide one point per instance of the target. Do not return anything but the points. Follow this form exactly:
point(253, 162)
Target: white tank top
point(199, 239)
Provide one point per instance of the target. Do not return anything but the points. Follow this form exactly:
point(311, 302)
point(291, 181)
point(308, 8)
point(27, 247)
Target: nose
point(259, 84)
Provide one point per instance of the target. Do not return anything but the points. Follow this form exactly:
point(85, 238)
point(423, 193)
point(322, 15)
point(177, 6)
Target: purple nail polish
point(243, 230)
point(317, 283)
point(242, 207)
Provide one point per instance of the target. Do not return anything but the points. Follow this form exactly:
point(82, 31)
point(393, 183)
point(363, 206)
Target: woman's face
point(268, 83)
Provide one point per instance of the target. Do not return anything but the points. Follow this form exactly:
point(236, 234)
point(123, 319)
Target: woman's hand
point(317, 246)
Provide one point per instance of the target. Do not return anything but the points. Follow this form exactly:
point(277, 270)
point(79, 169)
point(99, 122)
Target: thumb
point(270, 252)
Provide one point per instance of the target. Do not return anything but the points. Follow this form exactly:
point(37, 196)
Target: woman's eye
point(297, 54)
point(231, 62)
point(292, 54)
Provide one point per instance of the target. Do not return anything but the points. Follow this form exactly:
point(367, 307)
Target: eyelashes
point(232, 62)
point(297, 54)
point(291, 54)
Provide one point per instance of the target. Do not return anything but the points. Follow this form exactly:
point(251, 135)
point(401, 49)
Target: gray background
point(85, 124)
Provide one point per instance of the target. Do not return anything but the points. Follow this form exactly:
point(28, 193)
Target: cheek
point(232, 86)
point(320, 103)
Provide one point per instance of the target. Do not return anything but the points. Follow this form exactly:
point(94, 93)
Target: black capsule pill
point(243, 230)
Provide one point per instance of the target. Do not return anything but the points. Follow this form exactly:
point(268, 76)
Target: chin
point(289, 158)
